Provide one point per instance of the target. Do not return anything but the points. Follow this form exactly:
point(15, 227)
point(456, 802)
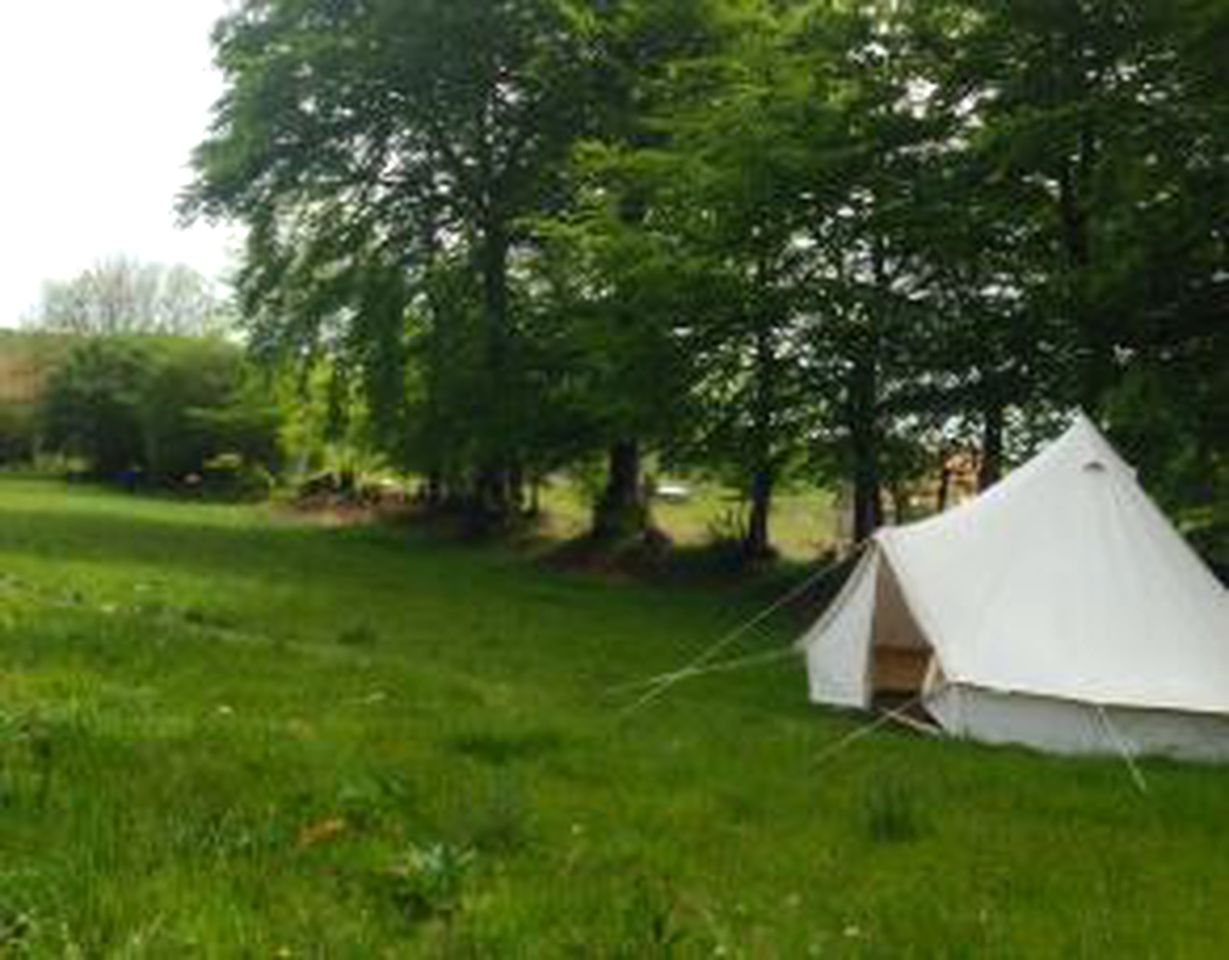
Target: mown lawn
point(224, 733)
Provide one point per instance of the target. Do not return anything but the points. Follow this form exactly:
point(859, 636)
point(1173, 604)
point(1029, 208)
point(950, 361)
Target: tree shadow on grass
point(180, 543)
point(493, 594)
point(500, 749)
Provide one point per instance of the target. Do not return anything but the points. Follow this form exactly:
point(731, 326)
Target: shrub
point(229, 477)
point(165, 408)
point(18, 434)
point(199, 405)
point(499, 821)
point(93, 402)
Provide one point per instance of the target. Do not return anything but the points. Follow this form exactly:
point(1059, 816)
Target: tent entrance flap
point(901, 656)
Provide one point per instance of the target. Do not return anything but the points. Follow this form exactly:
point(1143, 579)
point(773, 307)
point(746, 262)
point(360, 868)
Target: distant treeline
point(141, 409)
point(121, 295)
point(26, 361)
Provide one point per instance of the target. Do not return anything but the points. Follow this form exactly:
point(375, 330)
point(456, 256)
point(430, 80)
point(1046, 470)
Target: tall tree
point(612, 264)
point(395, 132)
point(737, 174)
point(124, 296)
point(1099, 129)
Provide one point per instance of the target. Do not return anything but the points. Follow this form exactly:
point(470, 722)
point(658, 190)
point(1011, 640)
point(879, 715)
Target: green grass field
point(224, 732)
point(803, 523)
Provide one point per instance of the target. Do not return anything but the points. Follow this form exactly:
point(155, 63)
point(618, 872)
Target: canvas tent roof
point(1064, 581)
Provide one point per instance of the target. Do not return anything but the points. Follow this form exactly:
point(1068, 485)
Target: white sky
point(101, 102)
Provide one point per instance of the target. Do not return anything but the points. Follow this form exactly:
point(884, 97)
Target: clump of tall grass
point(358, 635)
point(892, 812)
point(376, 798)
point(651, 925)
point(500, 820)
point(428, 883)
point(27, 758)
point(18, 928)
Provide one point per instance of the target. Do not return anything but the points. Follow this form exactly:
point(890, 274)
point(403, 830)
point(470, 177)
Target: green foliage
point(473, 106)
point(763, 239)
point(199, 403)
point(429, 882)
point(231, 477)
point(94, 401)
point(1104, 123)
point(1166, 420)
point(326, 424)
point(162, 407)
point(19, 433)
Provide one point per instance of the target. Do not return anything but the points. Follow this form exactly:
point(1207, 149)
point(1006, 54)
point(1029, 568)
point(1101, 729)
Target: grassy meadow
point(228, 731)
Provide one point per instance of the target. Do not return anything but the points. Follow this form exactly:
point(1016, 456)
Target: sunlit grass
point(803, 522)
point(226, 733)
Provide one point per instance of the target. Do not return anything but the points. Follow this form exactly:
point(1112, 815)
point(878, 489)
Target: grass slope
point(225, 734)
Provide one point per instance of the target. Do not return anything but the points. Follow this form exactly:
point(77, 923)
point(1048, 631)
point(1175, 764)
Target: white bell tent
point(1059, 610)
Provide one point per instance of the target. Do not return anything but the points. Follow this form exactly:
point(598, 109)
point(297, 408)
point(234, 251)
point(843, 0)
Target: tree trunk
point(516, 486)
point(991, 469)
point(867, 502)
point(495, 499)
point(490, 501)
point(1095, 368)
point(864, 409)
point(900, 504)
point(434, 492)
point(867, 506)
point(621, 512)
point(757, 544)
point(945, 481)
point(437, 492)
point(535, 495)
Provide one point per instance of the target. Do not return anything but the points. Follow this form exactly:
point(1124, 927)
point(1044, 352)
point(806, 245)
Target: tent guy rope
point(660, 685)
point(888, 716)
point(722, 666)
point(1121, 745)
